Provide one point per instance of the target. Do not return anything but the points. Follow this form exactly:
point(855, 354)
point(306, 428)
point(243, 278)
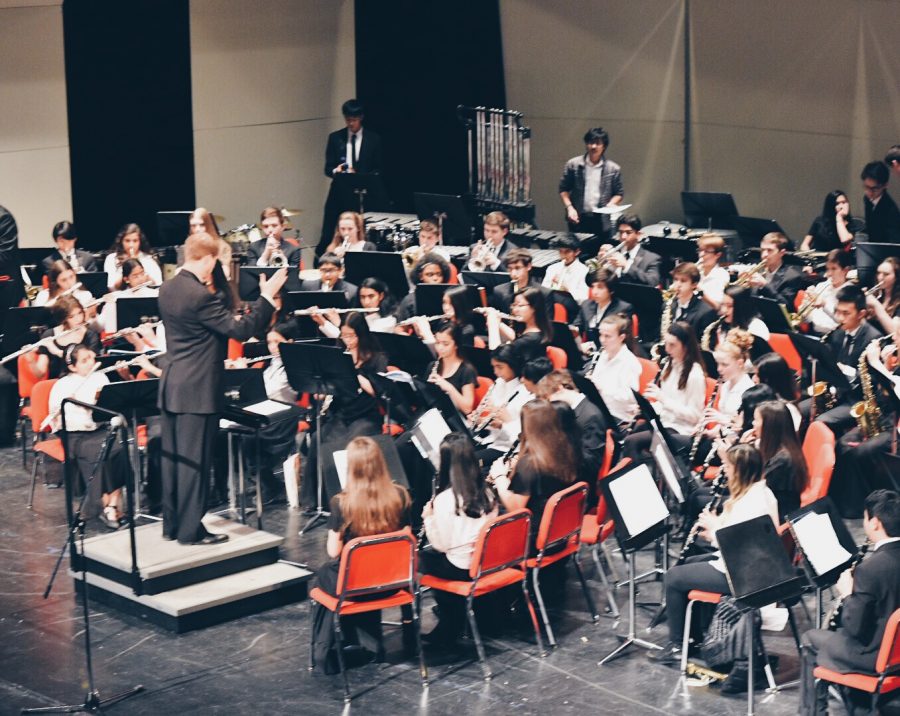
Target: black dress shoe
point(108, 522)
point(209, 538)
point(669, 655)
point(168, 538)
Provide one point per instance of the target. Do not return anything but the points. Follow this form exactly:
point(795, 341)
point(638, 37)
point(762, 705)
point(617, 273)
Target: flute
point(129, 363)
point(412, 319)
point(68, 292)
point(115, 295)
point(503, 316)
point(32, 346)
point(323, 311)
point(112, 337)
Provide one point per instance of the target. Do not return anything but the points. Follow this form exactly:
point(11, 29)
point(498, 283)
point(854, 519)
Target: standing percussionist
point(198, 326)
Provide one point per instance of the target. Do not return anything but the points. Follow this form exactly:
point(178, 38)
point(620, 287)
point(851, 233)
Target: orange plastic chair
point(484, 385)
point(454, 275)
point(478, 342)
point(559, 313)
point(635, 325)
point(53, 447)
point(649, 371)
point(497, 562)
point(380, 564)
point(235, 349)
point(886, 677)
point(782, 345)
point(558, 537)
point(818, 450)
point(27, 382)
point(557, 357)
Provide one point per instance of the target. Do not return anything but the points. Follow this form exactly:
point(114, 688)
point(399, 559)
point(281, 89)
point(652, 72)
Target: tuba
point(866, 412)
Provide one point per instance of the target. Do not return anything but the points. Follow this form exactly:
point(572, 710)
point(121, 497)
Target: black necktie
point(353, 149)
point(848, 344)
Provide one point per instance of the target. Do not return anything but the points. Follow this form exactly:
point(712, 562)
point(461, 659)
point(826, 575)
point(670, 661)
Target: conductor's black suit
point(198, 326)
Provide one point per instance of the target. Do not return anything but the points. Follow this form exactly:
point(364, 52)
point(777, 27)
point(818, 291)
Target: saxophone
point(866, 412)
point(709, 332)
point(657, 349)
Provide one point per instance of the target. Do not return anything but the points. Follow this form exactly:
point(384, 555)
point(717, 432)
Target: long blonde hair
point(370, 502)
point(357, 220)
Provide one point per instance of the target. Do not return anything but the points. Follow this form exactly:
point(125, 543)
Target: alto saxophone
point(866, 412)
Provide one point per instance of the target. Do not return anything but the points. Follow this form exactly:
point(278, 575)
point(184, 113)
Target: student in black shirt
point(452, 374)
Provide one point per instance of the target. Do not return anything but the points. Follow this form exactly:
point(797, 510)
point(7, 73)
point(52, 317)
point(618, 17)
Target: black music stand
point(318, 370)
point(892, 392)
point(430, 297)
point(822, 363)
point(641, 517)
point(868, 256)
point(450, 213)
point(648, 304)
point(335, 456)
point(95, 282)
point(586, 386)
point(672, 247)
point(358, 192)
point(480, 358)
point(744, 547)
point(386, 265)
point(132, 399)
point(248, 280)
point(487, 280)
point(834, 530)
point(774, 314)
point(751, 230)
point(172, 227)
point(24, 326)
point(426, 435)
point(132, 312)
point(708, 209)
point(406, 352)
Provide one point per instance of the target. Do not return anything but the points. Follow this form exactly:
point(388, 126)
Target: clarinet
point(718, 493)
point(698, 435)
point(835, 618)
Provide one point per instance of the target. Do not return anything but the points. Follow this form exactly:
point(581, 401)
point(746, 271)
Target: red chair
point(886, 677)
point(559, 313)
point(559, 535)
point(782, 345)
point(454, 275)
point(380, 564)
point(557, 357)
point(818, 450)
point(497, 562)
point(649, 371)
point(484, 385)
point(53, 448)
point(27, 382)
point(235, 349)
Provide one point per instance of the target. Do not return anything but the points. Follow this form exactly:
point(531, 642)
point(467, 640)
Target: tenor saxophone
point(866, 412)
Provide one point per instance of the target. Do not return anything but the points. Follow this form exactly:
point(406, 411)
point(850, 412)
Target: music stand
point(450, 213)
point(647, 303)
point(820, 359)
point(172, 227)
point(430, 297)
point(318, 370)
point(744, 547)
point(487, 280)
point(480, 358)
point(819, 528)
point(640, 516)
point(751, 230)
point(248, 280)
point(672, 247)
point(587, 387)
point(708, 209)
point(96, 282)
point(134, 399)
point(386, 265)
point(406, 352)
point(335, 467)
point(24, 326)
point(868, 256)
point(132, 312)
point(358, 192)
point(774, 314)
point(648, 412)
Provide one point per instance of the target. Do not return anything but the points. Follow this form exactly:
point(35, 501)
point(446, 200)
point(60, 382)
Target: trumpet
point(744, 278)
point(410, 255)
point(601, 260)
point(277, 259)
point(878, 288)
point(503, 316)
point(480, 257)
point(323, 311)
point(806, 307)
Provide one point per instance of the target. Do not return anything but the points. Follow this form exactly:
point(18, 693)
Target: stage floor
point(257, 664)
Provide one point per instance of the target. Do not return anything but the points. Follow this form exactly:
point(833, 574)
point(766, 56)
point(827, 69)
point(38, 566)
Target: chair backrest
point(557, 357)
point(649, 371)
point(710, 387)
point(635, 326)
point(563, 513)
point(454, 275)
point(608, 452)
point(502, 543)
point(40, 403)
point(26, 377)
point(889, 653)
point(377, 563)
point(799, 299)
point(782, 345)
point(818, 450)
point(235, 349)
point(559, 313)
point(478, 342)
point(484, 385)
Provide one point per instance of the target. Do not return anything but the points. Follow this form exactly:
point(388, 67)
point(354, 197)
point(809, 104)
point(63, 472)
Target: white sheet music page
point(340, 464)
point(266, 407)
point(819, 542)
point(638, 500)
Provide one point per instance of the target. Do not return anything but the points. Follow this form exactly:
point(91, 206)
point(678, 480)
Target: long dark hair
point(778, 435)
point(535, 298)
point(894, 299)
point(544, 443)
point(685, 335)
point(57, 268)
point(754, 395)
point(829, 218)
point(387, 305)
point(123, 232)
point(743, 306)
point(773, 370)
point(367, 346)
point(462, 306)
point(461, 473)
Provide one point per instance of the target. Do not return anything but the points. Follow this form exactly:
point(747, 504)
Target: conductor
point(198, 326)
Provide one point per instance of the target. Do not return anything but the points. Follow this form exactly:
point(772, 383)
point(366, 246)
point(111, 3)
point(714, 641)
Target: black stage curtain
point(416, 60)
point(128, 70)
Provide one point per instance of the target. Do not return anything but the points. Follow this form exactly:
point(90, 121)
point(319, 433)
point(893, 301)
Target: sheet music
point(664, 462)
point(266, 407)
point(638, 500)
point(398, 376)
point(819, 542)
point(340, 464)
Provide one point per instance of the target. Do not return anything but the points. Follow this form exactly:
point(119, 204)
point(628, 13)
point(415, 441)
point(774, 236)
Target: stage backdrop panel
point(268, 79)
point(34, 140)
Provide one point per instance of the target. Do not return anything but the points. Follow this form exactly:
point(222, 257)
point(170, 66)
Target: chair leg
point(540, 599)
point(312, 636)
point(476, 636)
point(613, 607)
point(794, 631)
point(34, 469)
point(609, 560)
point(339, 645)
point(534, 619)
point(686, 639)
point(417, 626)
point(22, 430)
point(595, 617)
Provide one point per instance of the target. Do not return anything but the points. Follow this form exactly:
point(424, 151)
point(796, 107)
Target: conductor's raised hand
point(270, 287)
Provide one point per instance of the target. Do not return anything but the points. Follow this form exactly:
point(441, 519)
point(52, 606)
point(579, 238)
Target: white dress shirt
point(822, 317)
point(567, 278)
point(681, 410)
point(451, 531)
point(43, 298)
point(83, 388)
point(758, 500)
point(276, 382)
point(713, 284)
point(513, 395)
point(729, 400)
point(615, 378)
point(107, 320)
point(114, 270)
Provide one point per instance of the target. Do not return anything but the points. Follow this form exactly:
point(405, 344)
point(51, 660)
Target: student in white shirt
point(453, 520)
point(504, 402)
point(62, 278)
point(824, 295)
point(135, 284)
point(372, 293)
point(130, 243)
point(85, 438)
point(568, 273)
point(713, 278)
point(737, 311)
point(617, 371)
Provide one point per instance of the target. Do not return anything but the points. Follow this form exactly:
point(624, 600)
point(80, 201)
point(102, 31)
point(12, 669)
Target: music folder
point(639, 511)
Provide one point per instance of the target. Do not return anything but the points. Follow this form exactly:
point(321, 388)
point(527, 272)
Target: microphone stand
point(92, 702)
